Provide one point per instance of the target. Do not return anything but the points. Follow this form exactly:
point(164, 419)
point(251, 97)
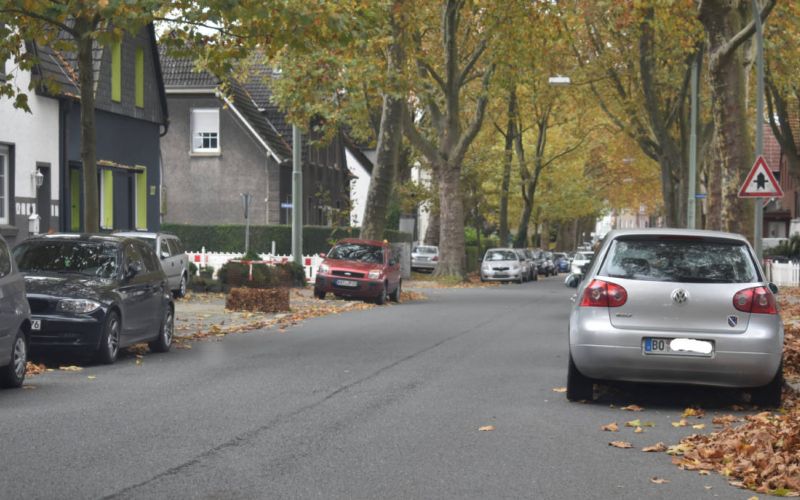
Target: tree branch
point(424, 66)
point(416, 139)
point(34, 15)
point(477, 120)
point(746, 32)
point(473, 59)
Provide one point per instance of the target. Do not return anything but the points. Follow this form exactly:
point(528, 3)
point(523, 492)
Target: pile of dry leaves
point(763, 454)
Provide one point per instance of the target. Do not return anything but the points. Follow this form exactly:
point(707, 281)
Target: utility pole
point(691, 205)
point(297, 196)
point(759, 204)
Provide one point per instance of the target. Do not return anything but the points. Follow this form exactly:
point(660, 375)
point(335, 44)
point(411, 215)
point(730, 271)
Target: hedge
point(230, 238)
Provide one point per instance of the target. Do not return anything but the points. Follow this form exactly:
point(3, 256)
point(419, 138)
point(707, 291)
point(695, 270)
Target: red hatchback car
point(362, 269)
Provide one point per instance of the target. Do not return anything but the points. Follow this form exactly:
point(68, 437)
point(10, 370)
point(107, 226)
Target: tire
point(396, 295)
point(536, 276)
point(165, 335)
point(13, 374)
point(769, 396)
point(381, 299)
point(109, 339)
point(579, 387)
point(181, 291)
point(319, 294)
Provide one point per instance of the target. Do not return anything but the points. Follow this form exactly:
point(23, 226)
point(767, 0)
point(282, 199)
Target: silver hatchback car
point(676, 306)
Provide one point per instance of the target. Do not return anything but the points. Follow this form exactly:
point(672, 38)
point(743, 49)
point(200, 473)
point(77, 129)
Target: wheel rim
point(20, 358)
point(183, 286)
point(113, 337)
point(168, 328)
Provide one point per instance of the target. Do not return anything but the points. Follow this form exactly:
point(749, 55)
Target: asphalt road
point(383, 403)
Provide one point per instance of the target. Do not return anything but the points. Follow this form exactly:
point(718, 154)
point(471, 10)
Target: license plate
point(499, 275)
point(347, 283)
point(36, 325)
point(678, 346)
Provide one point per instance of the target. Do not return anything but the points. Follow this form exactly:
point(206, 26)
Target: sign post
point(759, 207)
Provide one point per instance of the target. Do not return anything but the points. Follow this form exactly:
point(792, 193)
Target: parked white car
point(424, 258)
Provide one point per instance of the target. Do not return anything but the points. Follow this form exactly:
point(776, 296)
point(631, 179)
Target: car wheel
point(579, 387)
point(396, 295)
point(181, 291)
point(381, 299)
point(13, 375)
point(165, 335)
point(770, 394)
point(319, 294)
point(109, 340)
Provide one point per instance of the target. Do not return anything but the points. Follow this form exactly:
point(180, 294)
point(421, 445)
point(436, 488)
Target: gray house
point(221, 145)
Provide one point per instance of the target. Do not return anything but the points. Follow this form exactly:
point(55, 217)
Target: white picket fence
point(204, 259)
point(783, 273)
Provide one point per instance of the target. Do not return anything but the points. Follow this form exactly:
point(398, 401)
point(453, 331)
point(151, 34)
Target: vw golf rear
point(676, 306)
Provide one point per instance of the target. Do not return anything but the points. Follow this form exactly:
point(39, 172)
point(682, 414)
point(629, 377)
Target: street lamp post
point(691, 203)
point(297, 196)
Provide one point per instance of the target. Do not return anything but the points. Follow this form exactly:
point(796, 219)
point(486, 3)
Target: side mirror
point(164, 255)
point(134, 268)
point(322, 255)
point(773, 288)
point(572, 280)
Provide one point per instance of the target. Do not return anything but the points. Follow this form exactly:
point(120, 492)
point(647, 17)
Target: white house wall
point(359, 187)
point(34, 139)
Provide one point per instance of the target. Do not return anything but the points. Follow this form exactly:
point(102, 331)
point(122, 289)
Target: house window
point(139, 77)
point(205, 130)
point(141, 200)
point(106, 199)
point(116, 71)
point(5, 173)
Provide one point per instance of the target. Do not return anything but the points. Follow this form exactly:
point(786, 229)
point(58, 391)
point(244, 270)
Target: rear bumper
point(749, 359)
point(82, 332)
point(506, 276)
point(366, 288)
point(423, 264)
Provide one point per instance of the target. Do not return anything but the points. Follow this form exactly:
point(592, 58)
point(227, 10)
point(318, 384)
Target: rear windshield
point(426, 250)
point(694, 260)
point(501, 255)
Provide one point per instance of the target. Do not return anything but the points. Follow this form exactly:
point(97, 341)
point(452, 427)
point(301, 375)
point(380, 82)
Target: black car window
point(91, 258)
point(176, 246)
point(165, 250)
point(150, 259)
point(133, 256)
point(5, 260)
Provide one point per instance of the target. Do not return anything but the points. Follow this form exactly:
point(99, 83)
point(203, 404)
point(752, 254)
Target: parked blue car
point(562, 262)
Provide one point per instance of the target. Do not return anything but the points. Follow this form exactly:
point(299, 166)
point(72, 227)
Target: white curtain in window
point(205, 124)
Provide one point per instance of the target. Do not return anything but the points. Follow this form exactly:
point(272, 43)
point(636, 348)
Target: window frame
point(192, 132)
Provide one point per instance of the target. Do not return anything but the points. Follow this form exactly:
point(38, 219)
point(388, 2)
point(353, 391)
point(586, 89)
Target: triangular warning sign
point(760, 182)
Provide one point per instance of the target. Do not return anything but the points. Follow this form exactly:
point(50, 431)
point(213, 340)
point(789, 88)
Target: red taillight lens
point(758, 300)
point(435, 258)
point(603, 294)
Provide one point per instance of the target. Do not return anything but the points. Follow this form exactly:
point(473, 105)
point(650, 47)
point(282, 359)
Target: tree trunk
point(432, 231)
point(451, 214)
point(507, 159)
point(91, 198)
point(390, 135)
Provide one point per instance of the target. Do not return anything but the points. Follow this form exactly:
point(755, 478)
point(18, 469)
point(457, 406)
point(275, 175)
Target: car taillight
point(435, 258)
point(758, 300)
point(603, 294)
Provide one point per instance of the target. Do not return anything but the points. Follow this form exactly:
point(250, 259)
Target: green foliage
point(192, 269)
point(251, 255)
point(296, 273)
point(207, 272)
point(225, 238)
point(789, 248)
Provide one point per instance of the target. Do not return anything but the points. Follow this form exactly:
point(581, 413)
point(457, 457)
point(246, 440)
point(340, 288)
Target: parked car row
point(96, 294)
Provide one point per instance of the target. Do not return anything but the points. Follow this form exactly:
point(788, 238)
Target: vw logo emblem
point(733, 321)
point(680, 296)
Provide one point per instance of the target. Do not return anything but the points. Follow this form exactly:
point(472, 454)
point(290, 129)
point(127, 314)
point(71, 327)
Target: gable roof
point(180, 73)
point(356, 151)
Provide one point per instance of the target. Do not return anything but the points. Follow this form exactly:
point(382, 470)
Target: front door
point(44, 198)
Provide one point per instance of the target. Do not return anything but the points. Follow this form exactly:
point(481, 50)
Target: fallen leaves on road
point(487, 428)
point(725, 420)
point(620, 444)
point(612, 427)
point(32, 368)
point(639, 423)
point(138, 349)
point(632, 408)
point(70, 368)
point(656, 448)
point(658, 480)
point(91, 377)
point(693, 412)
point(699, 426)
point(680, 423)
point(560, 389)
point(139, 360)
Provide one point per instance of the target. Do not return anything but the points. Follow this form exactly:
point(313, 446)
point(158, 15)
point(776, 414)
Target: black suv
point(95, 292)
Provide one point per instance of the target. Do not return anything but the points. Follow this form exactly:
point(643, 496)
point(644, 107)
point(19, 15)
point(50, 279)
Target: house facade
point(781, 216)
point(223, 144)
point(359, 163)
point(40, 151)
point(29, 162)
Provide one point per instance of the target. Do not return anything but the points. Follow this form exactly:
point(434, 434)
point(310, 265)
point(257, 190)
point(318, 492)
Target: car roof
point(109, 238)
point(143, 234)
point(701, 233)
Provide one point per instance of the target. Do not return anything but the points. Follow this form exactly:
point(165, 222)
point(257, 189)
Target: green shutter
point(107, 201)
point(140, 77)
point(75, 199)
point(116, 71)
point(141, 200)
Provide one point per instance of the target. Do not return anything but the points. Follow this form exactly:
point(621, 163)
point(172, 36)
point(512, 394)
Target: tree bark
point(91, 198)
point(507, 160)
point(452, 249)
point(390, 136)
point(432, 231)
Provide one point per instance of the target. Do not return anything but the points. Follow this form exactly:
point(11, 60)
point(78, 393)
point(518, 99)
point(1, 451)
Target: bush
point(192, 269)
point(295, 272)
point(789, 248)
point(207, 272)
point(237, 274)
point(230, 238)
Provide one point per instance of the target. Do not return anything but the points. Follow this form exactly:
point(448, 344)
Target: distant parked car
point(172, 255)
point(676, 306)
point(15, 321)
point(424, 258)
point(528, 266)
point(544, 263)
point(362, 269)
point(502, 264)
point(561, 262)
point(580, 262)
point(96, 293)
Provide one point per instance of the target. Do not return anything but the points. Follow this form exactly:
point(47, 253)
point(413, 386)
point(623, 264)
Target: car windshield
point(425, 250)
point(82, 257)
point(358, 252)
point(687, 260)
point(501, 255)
point(537, 254)
point(584, 256)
